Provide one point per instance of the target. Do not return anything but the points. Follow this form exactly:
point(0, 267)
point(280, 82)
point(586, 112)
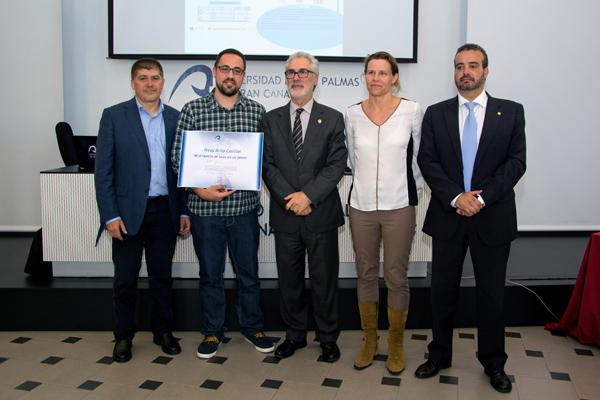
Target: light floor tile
point(478, 387)
point(10, 393)
point(532, 367)
point(303, 391)
point(547, 389)
point(244, 371)
point(372, 390)
point(427, 389)
point(55, 392)
point(115, 391)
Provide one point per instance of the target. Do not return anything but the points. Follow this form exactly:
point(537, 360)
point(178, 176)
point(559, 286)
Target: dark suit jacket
point(122, 171)
point(317, 174)
point(499, 164)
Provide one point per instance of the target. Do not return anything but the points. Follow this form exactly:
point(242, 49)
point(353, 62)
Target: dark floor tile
point(226, 339)
point(333, 383)
point(3, 359)
point(271, 360)
point(89, 385)
point(466, 336)
point(512, 334)
point(560, 376)
point(380, 357)
point(71, 340)
point(449, 380)
point(426, 355)
point(210, 384)
point(534, 353)
point(52, 360)
point(28, 385)
point(271, 384)
point(511, 378)
point(584, 352)
point(558, 333)
point(386, 380)
point(217, 360)
point(416, 336)
point(150, 385)
point(105, 360)
point(21, 340)
point(162, 360)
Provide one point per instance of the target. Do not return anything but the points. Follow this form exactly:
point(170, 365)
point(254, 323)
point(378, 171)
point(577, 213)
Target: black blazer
point(317, 174)
point(122, 170)
point(499, 164)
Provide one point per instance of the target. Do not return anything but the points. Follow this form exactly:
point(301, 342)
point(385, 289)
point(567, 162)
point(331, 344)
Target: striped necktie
point(469, 145)
point(297, 134)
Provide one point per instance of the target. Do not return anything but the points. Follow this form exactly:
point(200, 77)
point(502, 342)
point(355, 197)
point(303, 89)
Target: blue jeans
point(240, 235)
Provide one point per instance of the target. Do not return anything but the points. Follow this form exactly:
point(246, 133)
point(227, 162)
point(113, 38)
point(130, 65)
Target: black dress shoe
point(288, 348)
point(122, 350)
point(168, 343)
point(500, 381)
point(430, 368)
point(331, 352)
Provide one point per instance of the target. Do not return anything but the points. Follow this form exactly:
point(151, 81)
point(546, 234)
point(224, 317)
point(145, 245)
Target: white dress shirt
point(378, 156)
point(463, 111)
point(304, 116)
point(479, 111)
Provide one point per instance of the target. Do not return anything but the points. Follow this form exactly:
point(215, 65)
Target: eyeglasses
point(226, 69)
point(302, 73)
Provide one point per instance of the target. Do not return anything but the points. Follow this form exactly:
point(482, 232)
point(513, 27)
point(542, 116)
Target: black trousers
point(489, 265)
point(157, 238)
point(323, 269)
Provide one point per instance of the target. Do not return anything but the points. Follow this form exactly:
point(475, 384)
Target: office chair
point(66, 145)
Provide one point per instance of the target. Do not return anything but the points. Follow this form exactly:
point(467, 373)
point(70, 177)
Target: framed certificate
point(232, 159)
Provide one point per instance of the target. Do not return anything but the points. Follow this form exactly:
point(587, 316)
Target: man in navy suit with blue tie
point(472, 154)
point(139, 202)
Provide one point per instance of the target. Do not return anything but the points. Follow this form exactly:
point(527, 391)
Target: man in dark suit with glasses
point(304, 159)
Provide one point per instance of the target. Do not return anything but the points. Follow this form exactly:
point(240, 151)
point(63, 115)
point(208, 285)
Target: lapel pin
point(319, 121)
point(499, 113)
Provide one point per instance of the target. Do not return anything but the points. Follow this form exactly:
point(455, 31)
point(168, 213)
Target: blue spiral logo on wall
point(192, 70)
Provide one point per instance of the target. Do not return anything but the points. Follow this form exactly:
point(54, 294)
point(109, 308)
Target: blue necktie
point(469, 145)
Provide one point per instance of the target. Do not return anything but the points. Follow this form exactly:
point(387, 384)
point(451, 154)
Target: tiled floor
point(77, 365)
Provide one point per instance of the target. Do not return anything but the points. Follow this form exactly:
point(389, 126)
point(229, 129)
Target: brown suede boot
point(395, 360)
point(368, 319)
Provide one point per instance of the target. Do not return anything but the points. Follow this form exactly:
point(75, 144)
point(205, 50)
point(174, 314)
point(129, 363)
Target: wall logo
point(92, 152)
point(206, 70)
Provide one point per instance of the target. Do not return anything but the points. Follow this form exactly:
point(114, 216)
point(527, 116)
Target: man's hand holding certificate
point(230, 159)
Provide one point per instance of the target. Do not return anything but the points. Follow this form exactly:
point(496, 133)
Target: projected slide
point(341, 29)
point(284, 25)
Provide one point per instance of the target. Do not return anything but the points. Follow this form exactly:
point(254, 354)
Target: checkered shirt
point(205, 114)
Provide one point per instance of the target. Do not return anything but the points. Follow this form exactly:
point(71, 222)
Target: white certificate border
point(261, 144)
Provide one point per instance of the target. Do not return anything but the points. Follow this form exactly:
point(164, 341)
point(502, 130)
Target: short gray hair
point(314, 63)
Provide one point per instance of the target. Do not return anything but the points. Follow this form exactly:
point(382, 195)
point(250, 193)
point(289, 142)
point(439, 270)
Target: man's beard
point(230, 92)
point(470, 84)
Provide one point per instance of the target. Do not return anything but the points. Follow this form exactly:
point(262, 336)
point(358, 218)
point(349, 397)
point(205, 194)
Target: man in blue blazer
point(139, 202)
point(472, 154)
